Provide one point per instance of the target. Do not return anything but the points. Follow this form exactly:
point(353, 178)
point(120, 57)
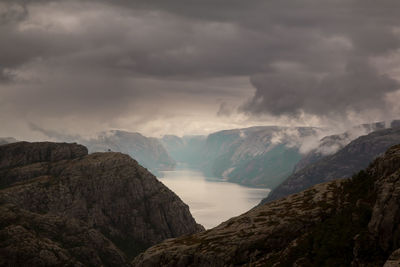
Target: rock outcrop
point(346, 222)
point(350, 159)
point(108, 193)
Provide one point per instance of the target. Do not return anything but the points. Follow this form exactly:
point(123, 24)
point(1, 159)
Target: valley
point(193, 133)
point(211, 201)
point(109, 206)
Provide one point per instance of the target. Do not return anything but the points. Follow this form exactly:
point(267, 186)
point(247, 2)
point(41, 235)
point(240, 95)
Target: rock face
point(350, 159)
point(347, 222)
point(31, 239)
point(109, 195)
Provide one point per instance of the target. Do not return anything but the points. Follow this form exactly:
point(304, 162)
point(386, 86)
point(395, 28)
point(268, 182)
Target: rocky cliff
point(117, 206)
point(348, 160)
point(347, 222)
point(32, 239)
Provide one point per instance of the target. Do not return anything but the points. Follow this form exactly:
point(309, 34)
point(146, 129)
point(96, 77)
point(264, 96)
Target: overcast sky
point(193, 67)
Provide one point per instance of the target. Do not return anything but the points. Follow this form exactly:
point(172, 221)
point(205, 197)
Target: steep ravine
point(106, 200)
point(347, 222)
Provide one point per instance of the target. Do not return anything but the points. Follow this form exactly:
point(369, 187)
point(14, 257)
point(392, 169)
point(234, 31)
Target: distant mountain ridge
point(330, 144)
point(260, 156)
point(148, 151)
point(345, 162)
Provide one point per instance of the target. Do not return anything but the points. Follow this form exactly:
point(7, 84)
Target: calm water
point(212, 201)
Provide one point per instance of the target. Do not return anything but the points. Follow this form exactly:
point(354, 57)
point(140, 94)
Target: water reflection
point(212, 201)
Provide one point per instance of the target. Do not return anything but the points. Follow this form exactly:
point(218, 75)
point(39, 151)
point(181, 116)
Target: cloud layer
point(155, 66)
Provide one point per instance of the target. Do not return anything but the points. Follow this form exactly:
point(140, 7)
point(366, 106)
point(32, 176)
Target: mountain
point(348, 160)
point(61, 206)
point(260, 156)
point(149, 152)
point(346, 222)
point(257, 156)
point(332, 143)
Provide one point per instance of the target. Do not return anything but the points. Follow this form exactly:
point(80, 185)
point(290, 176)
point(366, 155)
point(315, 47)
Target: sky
point(195, 67)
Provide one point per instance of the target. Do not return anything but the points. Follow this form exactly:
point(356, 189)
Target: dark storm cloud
point(137, 41)
point(111, 59)
point(359, 87)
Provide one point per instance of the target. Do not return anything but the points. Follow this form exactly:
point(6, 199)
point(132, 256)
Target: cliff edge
point(108, 195)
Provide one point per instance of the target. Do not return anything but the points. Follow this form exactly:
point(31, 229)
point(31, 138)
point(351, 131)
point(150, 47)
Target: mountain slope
point(107, 192)
point(347, 222)
point(348, 160)
point(332, 143)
